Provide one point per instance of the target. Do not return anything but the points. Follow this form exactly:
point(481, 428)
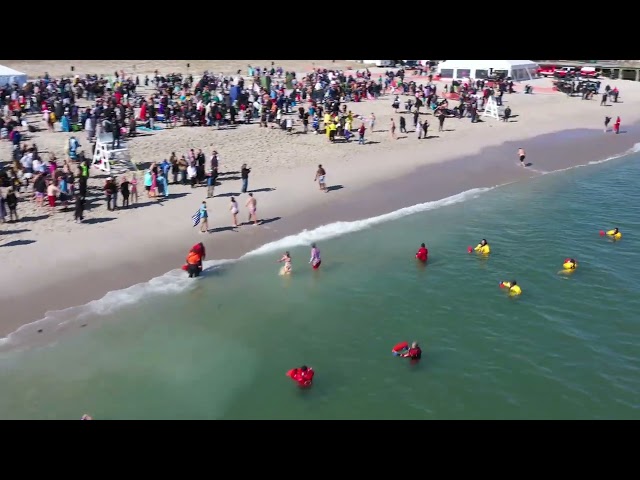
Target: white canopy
point(9, 76)
point(478, 69)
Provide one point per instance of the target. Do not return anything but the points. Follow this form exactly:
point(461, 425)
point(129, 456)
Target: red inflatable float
point(400, 348)
point(303, 376)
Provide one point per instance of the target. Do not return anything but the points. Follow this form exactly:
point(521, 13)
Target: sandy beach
point(51, 263)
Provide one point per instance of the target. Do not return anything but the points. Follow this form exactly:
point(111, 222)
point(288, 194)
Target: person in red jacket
point(423, 253)
point(414, 353)
point(303, 376)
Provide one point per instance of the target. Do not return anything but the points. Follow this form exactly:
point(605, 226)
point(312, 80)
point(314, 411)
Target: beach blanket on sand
point(145, 129)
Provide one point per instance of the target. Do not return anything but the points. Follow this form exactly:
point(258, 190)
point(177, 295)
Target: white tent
point(479, 69)
point(9, 76)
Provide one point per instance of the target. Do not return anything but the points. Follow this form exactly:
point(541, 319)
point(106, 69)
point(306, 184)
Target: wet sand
point(492, 166)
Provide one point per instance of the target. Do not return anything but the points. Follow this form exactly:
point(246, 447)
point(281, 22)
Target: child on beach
point(134, 188)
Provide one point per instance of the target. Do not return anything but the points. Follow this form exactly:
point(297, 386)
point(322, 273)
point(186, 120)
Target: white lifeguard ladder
point(112, 160)
point(491, 109)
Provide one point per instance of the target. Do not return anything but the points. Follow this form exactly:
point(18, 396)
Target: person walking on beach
point(234, 211)
point(252, 205)
point(392, 130)
point(425, 129)
point(606, 123)
point(419, 129)
point(321, 178)
point(403, 125)
point(521, 156)
point(204, 218)
point(616, 126)
point(244, 174)
point(372, 120)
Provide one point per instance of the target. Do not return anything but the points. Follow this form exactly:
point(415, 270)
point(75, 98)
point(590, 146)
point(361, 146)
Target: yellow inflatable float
point(614, 233)
point(569, 264)
point(482, 248)
point(514, 288)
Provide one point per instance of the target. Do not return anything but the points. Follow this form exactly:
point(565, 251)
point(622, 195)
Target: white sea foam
point(174, 281)
point(333, 230)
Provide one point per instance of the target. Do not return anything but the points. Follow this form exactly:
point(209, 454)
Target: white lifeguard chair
point(491, 109)
point(111, 160)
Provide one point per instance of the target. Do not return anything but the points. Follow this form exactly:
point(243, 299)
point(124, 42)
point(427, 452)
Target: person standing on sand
point(361, 131)
point(79, 209)
point(234, 211)
point(392, 130)
point(522, 155)
point(441, 118)
point(12, 202)
point(252, 205)
point(616, 126)
point(321, 178)
point(134, 188)
point(373, 122)
point(124, 191)
point(204, 218)
point(52, 193)
point(606, 123)
point(244, 174)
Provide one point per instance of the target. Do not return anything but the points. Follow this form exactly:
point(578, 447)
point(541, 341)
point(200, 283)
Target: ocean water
point(219, 347)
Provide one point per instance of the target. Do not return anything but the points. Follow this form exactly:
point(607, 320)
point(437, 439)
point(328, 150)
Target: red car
point(547, 71)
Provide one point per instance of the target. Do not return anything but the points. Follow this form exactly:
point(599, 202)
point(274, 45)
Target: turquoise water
point(566, 349)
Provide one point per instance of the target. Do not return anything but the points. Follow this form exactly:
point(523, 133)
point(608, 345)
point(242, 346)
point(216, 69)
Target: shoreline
point(426, 183)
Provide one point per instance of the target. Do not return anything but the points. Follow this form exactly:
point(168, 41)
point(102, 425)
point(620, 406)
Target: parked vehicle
point(547, 71)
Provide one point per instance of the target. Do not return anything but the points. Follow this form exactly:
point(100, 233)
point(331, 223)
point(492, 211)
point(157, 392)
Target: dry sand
point(51, 263)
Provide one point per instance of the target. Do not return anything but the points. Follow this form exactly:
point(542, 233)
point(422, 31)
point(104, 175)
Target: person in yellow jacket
point(483, 247)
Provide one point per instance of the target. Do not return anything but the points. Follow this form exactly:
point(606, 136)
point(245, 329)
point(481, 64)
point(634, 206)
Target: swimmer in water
point(573, 263)
point(483, 247)
point(86, 417)
point(286, 258)
point(422, 254)
point(615, 231)
point(414, 353)
point(315, 259)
